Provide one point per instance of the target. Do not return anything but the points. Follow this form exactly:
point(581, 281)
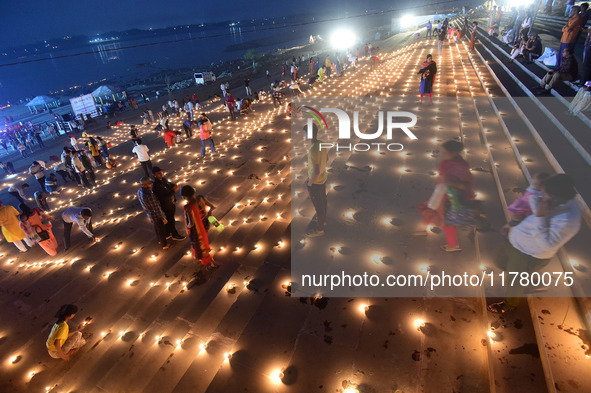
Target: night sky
point(25, 22)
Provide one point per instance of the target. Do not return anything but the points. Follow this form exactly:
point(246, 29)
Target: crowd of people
point(76, 164)
point(158, 196)
point(25, 138)
point(544, 219)
point(541, 221)
point(29, 226)
point(445, 32)
point(33, 226)
point(527, 44)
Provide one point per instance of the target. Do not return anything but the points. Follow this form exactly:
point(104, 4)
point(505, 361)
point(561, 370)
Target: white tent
point(104, 90)
point(43, 101)
point(107, 92)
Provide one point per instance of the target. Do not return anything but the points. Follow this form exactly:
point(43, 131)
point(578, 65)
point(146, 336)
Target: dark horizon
point(56, 22)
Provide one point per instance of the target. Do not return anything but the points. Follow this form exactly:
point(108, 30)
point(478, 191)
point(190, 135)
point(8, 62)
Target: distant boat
point(100, 40)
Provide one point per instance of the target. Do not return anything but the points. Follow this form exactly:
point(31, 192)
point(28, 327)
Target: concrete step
point(501, 147)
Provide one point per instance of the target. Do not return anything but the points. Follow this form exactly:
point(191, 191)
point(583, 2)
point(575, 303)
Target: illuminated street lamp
point(343, 39)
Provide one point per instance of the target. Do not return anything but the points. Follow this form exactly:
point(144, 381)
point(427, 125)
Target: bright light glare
point(520, 3)
point(376, 258)
point(419, 323)
point(277, 376)
point(407, 21)
point(343, 39)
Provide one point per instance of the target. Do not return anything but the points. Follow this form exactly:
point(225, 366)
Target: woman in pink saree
point(454, 176)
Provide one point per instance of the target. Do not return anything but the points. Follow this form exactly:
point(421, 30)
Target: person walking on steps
point(205, 129)
point(454, 180)
point(141, 151)
point(316, 184)
point(166, 191)
point(153, 209)
point(427, 72)
point(231, 104)
point(200, 249)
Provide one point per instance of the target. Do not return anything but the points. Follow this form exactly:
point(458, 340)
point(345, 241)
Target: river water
point(125, 60)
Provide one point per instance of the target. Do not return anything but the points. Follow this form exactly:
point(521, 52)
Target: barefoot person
point(454, 178)
point(166, 191)
point(427, 72)
point(231, 105)
point(205, 129)
point(62, 343)
point(316, 183)
point(154, 210)
point(473, 35)
point(82, 216)
point(37, 225)
point(37, 170)
point(195, 229)
point(11, 229)
point(18, 191)
point(534, 241)
point(143, 155)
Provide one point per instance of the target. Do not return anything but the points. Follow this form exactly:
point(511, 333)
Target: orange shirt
point(571, 30)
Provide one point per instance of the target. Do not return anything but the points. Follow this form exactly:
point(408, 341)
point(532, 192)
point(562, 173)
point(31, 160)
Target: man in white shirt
point(74, 142)
point(18, 192)
point(80, 170)
point(82, 216)
point(141, 151)
point(535, 240)
point(36, 169)
point(190, 109)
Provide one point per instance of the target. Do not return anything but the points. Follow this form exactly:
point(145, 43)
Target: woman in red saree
point(454, 172)
point(196, 230)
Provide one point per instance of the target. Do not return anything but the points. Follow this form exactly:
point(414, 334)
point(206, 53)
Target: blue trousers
point(211, 145)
